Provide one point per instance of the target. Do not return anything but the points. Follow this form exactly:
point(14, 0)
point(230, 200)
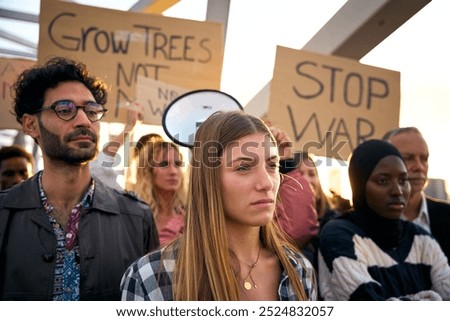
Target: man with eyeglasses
point(63, 234)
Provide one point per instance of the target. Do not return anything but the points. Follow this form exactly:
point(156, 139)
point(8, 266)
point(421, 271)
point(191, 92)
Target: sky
point(418, 50)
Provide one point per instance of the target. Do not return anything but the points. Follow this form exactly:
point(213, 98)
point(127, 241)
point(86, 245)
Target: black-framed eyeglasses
point(67, 110)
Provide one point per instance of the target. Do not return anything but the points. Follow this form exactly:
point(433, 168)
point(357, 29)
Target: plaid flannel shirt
point(150, 278)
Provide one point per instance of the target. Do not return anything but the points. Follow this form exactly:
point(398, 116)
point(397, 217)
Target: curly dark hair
point(7, 152)
point(31, 84)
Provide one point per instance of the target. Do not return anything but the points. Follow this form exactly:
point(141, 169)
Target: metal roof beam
point(16, 15)
point(153, 6)
point(18, 53)
point(21, 41)
point(359, 26)
point(219, 11)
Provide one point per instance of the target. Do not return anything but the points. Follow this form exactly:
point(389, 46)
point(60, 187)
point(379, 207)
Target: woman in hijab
point(371, 253)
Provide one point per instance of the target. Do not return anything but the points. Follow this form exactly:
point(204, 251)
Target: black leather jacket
point(115, 231)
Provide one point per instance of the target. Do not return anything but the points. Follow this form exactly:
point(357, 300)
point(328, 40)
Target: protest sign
point(154, 96)
point(328, 105)
point(118, 46)
point(10, 69)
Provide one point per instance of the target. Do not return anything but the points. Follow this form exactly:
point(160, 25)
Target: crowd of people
point(239, 223)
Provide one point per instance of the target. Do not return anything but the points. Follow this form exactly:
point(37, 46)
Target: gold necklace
point(247, 284)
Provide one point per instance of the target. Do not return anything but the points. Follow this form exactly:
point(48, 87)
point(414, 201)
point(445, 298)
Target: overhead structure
point(357, 28)
point(219, 11)
point(21, 16)
point(153, 6)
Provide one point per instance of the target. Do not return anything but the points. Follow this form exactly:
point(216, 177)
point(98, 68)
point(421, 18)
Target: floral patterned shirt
point(67, 267)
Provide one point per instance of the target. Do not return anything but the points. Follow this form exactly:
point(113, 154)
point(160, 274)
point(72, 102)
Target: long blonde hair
point(145, 152)
point(322, 201)
point(203, 270)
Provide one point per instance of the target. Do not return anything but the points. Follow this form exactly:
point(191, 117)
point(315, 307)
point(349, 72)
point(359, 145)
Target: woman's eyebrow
point(273, 157)
point(239, 159)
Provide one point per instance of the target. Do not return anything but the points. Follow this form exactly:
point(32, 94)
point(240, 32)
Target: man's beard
point(60, 151)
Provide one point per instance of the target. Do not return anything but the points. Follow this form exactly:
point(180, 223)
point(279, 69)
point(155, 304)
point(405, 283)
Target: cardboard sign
point(155, 96)
point(10, 69)
point(329, 105)
point(118, 46)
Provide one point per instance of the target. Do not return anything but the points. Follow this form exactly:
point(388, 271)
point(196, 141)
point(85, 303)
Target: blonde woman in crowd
point(308, 169)
point(231, 248)
point(159, 182)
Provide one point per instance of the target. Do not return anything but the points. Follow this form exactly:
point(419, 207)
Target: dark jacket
point(439, 213)
point(115, 231)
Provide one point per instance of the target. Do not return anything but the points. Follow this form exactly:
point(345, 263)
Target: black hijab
point(385, 232)
point(362, 163)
